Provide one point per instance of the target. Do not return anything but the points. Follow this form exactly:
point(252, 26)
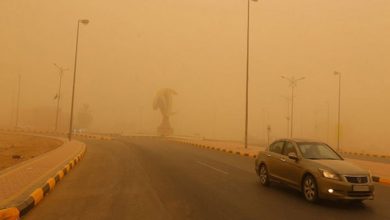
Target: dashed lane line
point(211, 167)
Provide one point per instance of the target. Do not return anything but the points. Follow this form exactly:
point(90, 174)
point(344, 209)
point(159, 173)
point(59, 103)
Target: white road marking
point(211, 167)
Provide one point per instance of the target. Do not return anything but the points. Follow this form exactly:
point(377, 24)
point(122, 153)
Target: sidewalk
point(379, 169)
point(19, 181)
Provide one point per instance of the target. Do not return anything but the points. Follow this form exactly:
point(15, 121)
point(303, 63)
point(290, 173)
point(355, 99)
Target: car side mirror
point(293, 156)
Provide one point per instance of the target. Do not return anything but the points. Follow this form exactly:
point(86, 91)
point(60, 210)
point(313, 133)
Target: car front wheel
point(263, 174)
point(309, 189)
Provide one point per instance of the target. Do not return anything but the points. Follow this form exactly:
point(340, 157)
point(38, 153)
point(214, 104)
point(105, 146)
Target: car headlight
point(370, 175)
point(329, 174)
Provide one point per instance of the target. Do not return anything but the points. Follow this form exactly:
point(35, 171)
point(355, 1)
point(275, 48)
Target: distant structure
point(163, 102)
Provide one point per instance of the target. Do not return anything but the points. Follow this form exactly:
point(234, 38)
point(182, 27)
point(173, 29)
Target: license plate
point(360, 188)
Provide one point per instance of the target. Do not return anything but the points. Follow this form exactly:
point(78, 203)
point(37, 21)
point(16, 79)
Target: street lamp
point(85, 22)
point(58, 96)
point(247, 74)
point(287, 114)
point(18, 102)
point(338, 119)
point(293, 84)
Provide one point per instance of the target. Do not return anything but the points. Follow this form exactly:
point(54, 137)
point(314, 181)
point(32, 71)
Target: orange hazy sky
point(131, 49)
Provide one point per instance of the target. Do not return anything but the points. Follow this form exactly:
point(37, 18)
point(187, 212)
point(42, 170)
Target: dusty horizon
point(130, 50)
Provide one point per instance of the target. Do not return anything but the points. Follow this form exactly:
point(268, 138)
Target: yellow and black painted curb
point(15, 213)
point(366, 154)
point(244, 154)
point(92, 136)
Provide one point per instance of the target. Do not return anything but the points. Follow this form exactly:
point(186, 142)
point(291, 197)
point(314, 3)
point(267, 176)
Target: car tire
point(310, 189)
point(263, 175)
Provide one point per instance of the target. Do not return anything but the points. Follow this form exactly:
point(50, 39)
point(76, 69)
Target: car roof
point(300, 140)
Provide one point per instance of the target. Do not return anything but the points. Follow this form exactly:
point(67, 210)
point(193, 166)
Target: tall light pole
point(327, 122)
point(293, 84)
point(247, 74)
point(58, 96)
point(18, 102)
point(339, 107)
point(287, 114)
point(85, 22)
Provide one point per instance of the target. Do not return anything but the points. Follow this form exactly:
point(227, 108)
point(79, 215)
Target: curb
point(15, 213)
point(96, 137)
point(84, 135)
point(366, 154)
point(252, 155)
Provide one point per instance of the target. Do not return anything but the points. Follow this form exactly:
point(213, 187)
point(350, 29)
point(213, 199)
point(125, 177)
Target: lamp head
point(84, 21)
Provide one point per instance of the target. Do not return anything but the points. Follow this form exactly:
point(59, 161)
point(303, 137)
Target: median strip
point(15, 213)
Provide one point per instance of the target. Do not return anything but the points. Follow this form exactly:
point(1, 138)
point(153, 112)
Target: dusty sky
point(131, 49)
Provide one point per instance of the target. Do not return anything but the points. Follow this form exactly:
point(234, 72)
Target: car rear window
point(276, 147)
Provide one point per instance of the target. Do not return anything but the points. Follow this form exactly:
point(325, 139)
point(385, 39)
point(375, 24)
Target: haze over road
point(157, 179)
point(131, 49)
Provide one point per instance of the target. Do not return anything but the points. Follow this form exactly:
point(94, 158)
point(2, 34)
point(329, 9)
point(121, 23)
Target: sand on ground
point(16, 148)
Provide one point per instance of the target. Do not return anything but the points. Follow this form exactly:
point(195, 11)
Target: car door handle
point(268, 155)
point(282, 159)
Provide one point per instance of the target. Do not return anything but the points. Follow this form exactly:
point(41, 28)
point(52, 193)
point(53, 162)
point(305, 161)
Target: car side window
point(277, 147)
point(289, 148)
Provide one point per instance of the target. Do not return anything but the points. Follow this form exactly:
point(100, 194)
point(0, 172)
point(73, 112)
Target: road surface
point(156, 179)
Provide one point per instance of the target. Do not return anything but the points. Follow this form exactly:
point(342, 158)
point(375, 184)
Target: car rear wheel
point(309, 189)
point(263, 174)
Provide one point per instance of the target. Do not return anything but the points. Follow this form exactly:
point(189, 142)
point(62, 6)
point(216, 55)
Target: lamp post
point(18, 102)
point(247, 74)
point(339, 107)
point(287, 115)
point(268, 134)
point(293, 84)
point(58, 96)
point(85, 22)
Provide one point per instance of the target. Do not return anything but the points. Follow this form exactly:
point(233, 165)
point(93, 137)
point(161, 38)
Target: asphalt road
point(155, 179)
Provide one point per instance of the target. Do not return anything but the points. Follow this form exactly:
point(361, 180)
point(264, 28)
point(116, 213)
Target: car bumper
point(333, 189)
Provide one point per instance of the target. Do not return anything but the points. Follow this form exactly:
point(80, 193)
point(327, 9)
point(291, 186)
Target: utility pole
point(287, 115)
point(247, 74)
point(61, 71)
point(85, 22)
point(18, 102)
point(268, 134)
point(327, 122)
point(339, 108)
point(293, 84)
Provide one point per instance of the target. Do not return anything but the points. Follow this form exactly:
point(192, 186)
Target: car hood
point(341, 167)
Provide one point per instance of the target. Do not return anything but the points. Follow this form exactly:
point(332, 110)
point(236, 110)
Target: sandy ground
point(23, 147)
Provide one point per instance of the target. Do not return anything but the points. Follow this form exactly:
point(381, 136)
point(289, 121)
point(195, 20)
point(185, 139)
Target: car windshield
point(317, 151)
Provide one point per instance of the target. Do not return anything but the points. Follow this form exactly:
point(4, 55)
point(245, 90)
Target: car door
point(274, 155)
point(290, 169)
